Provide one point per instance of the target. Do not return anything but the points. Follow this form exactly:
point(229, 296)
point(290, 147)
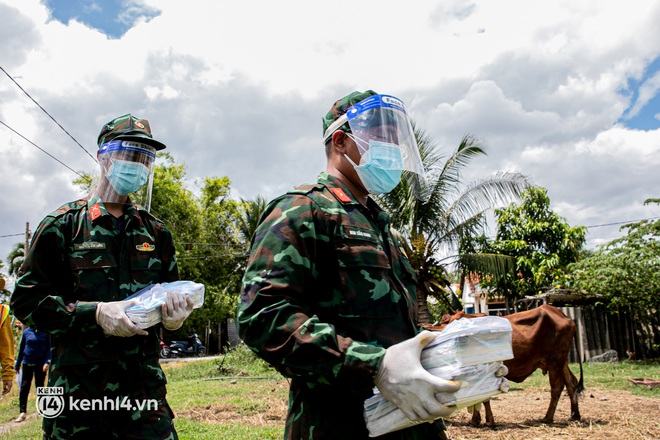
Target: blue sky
point(644, 113)
point(112, 17)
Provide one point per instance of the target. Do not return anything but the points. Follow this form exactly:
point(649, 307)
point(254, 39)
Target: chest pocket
point(366, 289)
point(94, 275)
point(359, 247)
point(146, 267)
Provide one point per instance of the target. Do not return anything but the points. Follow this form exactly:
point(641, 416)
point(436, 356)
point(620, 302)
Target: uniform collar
point(97, 209)
point(339, 190)
point(344, 195)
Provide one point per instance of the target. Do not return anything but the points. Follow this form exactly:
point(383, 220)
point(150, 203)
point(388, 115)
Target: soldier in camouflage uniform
point(328, 290)
point(84, 259)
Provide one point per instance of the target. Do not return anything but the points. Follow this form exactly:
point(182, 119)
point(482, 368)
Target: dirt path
point(611, 415)
point(608, 415)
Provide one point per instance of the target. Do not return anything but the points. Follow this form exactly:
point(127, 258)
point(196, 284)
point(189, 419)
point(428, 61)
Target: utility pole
point(27, 239)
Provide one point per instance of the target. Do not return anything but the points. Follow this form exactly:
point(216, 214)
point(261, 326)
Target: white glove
point(403, 381)
point(111, 316)
point(501, 372)
point(175, 310)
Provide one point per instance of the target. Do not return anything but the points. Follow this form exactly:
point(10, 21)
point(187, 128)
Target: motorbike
point(191, 347)
point(165, 351)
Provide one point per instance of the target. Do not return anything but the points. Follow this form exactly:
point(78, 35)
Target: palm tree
point(450, 214)
point(16, 258)
point(249, 221)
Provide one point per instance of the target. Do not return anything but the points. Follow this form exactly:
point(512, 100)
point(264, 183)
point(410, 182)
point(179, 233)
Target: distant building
point(478, 300)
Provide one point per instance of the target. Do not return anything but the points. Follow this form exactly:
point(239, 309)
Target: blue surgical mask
point(380, 167)
point(126, 176)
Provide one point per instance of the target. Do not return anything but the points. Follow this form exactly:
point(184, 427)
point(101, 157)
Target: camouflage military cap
point(340, 107)
point(129, 128)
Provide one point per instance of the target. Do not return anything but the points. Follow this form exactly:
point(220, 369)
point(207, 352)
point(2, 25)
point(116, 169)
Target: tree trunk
point(423, 314)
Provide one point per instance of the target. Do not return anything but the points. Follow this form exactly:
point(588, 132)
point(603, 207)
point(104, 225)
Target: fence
point(599, 330)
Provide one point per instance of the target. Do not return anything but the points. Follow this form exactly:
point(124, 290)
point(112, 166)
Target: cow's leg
point(476, 416)
point(556, 387)
point(571, 387)
point(490, 420)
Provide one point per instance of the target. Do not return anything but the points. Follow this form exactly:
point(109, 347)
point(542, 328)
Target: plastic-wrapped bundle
point(471, 350)
point(147, 312)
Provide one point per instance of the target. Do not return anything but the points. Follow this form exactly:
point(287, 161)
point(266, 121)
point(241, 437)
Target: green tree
point(15, 258)
point(206, 232)
point(207, 238)
point(542, 243)
point(451, 212)
point(252, 211)
point(624, 272)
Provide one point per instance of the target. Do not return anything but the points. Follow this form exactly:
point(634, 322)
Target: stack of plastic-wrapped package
point(147, 312)
point(470, 350)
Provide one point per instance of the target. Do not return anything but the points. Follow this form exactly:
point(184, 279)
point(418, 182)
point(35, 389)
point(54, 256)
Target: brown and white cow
point(541, 338)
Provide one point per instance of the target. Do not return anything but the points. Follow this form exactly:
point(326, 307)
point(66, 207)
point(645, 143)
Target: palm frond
point(495, 265)
point(486, 194)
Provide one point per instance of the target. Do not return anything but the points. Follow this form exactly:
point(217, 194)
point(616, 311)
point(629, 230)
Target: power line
point(41, 148)
point(44, 110)
point(12, 235)
point(622, 223)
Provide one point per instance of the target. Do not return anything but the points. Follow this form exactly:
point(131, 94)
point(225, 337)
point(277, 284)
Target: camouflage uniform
point(326, 291)
point(80, 255)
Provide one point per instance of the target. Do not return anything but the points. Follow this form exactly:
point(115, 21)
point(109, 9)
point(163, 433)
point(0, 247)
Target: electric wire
point(44, 151)
point(44, 110)
point(622, 223)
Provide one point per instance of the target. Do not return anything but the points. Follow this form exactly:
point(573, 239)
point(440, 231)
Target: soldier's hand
point(175, 310)
point(402, 380)
point(111, 316)
point(6, 386)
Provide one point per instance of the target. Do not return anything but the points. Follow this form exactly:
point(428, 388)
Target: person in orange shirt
point(6, 349)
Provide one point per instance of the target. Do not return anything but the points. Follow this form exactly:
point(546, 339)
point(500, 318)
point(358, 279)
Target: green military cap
point(340, 107)
point(130, 128)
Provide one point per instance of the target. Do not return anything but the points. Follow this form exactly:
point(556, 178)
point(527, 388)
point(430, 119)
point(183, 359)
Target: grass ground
point(241, 398)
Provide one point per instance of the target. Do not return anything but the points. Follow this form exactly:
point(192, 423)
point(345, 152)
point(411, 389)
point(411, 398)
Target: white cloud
point(237, 90)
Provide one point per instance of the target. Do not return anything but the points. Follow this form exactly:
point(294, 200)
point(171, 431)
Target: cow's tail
point(580, 385)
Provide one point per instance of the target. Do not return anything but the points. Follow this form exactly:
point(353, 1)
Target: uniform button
point(263, 273)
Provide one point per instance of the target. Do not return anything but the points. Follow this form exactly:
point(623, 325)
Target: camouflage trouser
point(114, 400)
point(156, 425)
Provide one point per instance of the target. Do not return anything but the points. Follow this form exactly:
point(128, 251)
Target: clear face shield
point(383, 133)
point(127, 168)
